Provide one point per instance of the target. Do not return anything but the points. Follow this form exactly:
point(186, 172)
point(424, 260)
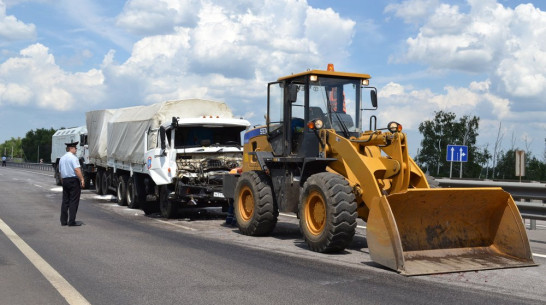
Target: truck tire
point(98, 182)
point(57, 176)
point(121, 190)
point(328, 212)
point(255, 207)
point(86, 180)
point(132, 195)
point(104, 183)
point(168, 208)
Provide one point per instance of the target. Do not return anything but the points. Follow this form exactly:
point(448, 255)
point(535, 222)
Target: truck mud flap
point(428, 231)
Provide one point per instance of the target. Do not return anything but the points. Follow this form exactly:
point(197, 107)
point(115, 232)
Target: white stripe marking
point(176, 225)
point(539, 255)
point(66, 290)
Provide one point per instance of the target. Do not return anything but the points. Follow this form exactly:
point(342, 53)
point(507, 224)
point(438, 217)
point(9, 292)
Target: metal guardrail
point(37, 166)
point(522, 191)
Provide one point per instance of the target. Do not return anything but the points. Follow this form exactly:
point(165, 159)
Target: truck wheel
point(168, 208)
point(121, 190)
point(327, 211)
point(132, 198)
point(104, 183)
point(57, 176)
point(255, 208)
point(98, 182)
point(86, 180)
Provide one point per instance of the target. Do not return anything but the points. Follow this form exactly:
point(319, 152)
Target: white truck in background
point(166, 155)
point(58, 149)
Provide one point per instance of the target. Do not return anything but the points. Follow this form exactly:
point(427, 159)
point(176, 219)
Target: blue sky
point(61, 58)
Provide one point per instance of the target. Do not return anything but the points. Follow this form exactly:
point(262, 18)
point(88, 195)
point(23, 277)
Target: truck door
point(158, 160)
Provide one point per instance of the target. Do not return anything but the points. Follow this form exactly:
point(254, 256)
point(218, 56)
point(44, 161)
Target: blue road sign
point(457, 153)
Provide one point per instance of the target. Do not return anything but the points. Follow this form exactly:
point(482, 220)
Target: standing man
point(72, 181)
point(4, 160)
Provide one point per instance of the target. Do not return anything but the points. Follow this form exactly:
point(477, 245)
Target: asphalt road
point(120, 256)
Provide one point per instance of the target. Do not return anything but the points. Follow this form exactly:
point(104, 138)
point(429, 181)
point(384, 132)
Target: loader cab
point(334, 98)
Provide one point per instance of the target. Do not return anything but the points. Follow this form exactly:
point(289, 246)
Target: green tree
point(443, 130)
point(12, 148)
point(38, 141)
point(506, 167)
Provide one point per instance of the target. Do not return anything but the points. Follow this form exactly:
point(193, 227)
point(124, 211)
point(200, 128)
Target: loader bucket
point(427, 231)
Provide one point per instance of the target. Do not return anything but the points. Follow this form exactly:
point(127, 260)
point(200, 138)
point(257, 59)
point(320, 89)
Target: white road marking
point(176, 225)
point(66, 290)
point(539, 255)
point(36, 185)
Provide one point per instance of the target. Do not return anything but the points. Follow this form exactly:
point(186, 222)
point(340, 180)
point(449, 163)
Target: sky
point(485, 58)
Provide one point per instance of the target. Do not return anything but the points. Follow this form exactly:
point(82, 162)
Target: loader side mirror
point(373, 96)
point(292, 93)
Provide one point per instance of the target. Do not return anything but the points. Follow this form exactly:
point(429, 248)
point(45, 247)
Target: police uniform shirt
point(67, 164)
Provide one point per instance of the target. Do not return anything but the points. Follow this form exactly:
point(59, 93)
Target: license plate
point(218, 194)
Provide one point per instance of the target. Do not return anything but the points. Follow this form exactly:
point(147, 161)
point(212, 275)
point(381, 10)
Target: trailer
point(165, 156)
point(58, 149)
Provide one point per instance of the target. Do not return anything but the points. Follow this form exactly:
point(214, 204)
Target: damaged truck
point(165, 156)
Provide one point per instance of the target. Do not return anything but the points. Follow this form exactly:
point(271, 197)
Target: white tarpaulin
point(97, 124)
point(125, 140)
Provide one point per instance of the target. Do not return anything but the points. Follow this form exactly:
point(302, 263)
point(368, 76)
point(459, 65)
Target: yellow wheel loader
point(313, 158)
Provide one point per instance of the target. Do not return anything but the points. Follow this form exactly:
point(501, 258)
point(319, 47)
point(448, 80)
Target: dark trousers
point(71, 200)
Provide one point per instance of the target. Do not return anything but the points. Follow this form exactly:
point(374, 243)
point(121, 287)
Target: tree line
point(482, 163)
point(34, 147)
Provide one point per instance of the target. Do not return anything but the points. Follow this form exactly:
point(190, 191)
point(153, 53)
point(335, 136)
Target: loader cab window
point(336, 101)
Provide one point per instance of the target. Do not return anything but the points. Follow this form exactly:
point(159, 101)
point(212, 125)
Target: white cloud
point(230, 51)
point(412, 11)
point(507, 44)
point(149, 17)
point(12, 29)
point(33, 78)
point(411, 107)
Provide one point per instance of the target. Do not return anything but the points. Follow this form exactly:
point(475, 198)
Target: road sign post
point(457, 153)
point(520, 163)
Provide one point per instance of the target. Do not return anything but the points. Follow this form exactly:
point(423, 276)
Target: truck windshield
point(196, 136)
point(336, 102)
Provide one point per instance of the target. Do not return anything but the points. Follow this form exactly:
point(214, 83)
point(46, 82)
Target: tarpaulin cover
point(125, 136)
point(97, 124)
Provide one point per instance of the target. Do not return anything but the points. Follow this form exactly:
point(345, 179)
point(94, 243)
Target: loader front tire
point(327, 211)
point(255, 208)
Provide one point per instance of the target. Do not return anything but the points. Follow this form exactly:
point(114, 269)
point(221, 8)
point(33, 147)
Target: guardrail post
point(533, 224)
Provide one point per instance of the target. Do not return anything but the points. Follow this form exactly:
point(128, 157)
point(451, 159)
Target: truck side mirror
point(163, 138)
point(373, 96)
point(292, 93)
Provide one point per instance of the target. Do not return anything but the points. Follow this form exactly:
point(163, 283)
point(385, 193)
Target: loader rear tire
point(327, 211)
point(255, 208)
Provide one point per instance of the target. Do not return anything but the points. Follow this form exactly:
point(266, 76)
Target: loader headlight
point(365, 82)
point(315, 124)
point(394, 127)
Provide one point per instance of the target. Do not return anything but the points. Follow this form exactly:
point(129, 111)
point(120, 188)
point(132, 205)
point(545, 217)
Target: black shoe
point(75, 224)
point(63, 224)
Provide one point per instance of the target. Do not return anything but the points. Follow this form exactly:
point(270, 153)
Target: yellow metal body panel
point(417, 230)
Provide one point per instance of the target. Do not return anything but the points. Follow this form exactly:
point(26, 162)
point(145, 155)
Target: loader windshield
point(336, 101)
